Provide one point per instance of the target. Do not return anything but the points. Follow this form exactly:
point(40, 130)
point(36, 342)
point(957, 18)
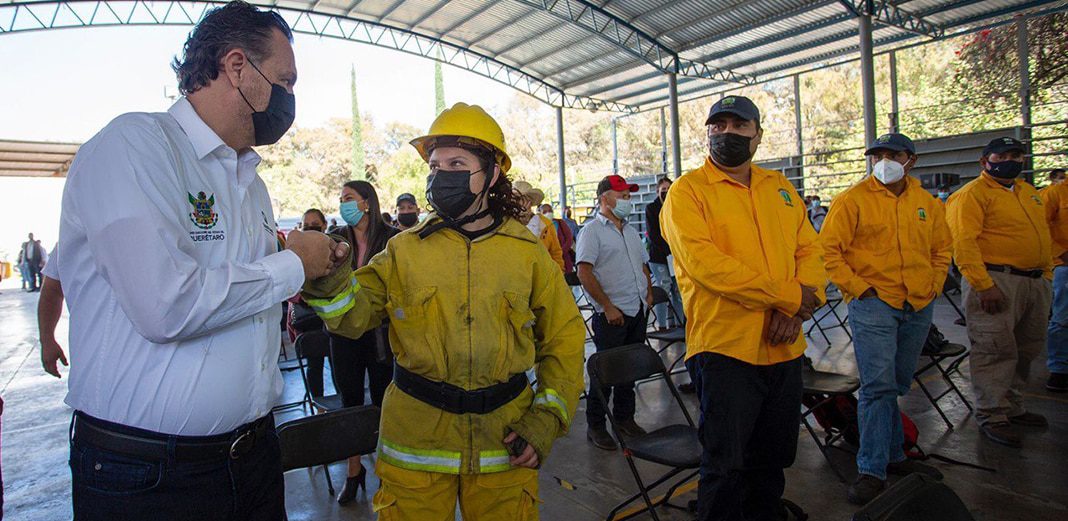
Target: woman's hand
point(528, 458)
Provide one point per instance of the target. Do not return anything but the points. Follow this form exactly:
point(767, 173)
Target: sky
point(65, 85)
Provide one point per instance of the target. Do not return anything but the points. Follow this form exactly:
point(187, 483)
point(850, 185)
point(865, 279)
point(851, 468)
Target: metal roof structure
point(35, 158)
point(594, 54)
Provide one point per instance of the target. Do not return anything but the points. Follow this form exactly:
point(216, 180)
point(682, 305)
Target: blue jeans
point(663, 279)
point(887, 343)
point(1057, 334)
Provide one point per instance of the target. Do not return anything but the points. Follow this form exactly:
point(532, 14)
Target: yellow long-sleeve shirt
point(993, 224)
point(740, 252)
point(1055, 197)
point(899, 245)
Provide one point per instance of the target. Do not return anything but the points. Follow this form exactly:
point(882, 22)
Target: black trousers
point(352, 359)
point(109, 486)
point(750, 420)
point(607, 336)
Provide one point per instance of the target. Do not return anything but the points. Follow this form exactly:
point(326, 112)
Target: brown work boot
point(600, 438)
point(865, 489)
point(1029, 419)
point(1001, 432)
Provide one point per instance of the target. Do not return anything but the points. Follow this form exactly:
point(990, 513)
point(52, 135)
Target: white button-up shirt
point(170, 266)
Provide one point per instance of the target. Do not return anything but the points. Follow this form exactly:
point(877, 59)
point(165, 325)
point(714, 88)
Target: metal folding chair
point(829, 386)
point(935, 358)
point(321, 439)
point(829, 309)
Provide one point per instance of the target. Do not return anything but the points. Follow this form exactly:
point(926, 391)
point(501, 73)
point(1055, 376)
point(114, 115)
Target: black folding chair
point(670, 336)
point(322, 439)
point(830, 386)
point(316, 344)
point(916, 497)
point(935, 356)
point(827, 310)
point(582, 300)
point(676, 446)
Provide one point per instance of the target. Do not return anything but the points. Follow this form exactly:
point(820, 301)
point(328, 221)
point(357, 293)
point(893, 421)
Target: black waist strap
point(456, 400)
point(1034, 274)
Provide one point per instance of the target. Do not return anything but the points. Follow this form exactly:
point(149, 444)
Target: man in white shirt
point(169, 263)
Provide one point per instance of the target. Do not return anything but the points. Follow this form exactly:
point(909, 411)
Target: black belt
point(153, 446)
point(456, 400)
point(1032, 274)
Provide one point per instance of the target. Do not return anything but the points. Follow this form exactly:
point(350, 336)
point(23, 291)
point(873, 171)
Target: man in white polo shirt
point(173, 279)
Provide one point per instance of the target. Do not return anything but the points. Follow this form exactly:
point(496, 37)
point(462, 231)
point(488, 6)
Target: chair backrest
point(572, 279)
point(328, 437)
point(660, 296)
point(628, 364)
point(312, 344)
point(916, 498)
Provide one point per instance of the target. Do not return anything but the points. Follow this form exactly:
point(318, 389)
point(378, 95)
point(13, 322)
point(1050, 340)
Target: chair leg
point(823, 449)
point(934, 401)
point(329, 482)
point(952, 385)
point(642, 490)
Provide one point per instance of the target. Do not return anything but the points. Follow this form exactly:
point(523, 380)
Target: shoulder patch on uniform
point(786, 198)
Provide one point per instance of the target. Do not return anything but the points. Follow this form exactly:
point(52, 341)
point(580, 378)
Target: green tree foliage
point(439, 89)
point(359, 164)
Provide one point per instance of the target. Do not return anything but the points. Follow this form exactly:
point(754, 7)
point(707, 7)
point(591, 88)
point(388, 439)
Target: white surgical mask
point(888, 171)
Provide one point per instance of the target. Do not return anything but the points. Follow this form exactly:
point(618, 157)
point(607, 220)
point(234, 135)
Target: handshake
point(319, 253)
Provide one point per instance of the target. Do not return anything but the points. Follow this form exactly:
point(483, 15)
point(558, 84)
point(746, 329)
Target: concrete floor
point(1030, 484)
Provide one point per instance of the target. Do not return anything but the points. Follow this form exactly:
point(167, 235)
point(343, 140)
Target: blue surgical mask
point(623, 209)
point(351, 213)
point(943, 196)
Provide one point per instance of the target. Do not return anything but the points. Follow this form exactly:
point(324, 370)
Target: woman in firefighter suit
point(473, 301)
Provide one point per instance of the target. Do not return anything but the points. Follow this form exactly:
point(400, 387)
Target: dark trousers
point(108, 486)
point(750, 419)
point(607, 336)
point(350, 360)
point(314, 367)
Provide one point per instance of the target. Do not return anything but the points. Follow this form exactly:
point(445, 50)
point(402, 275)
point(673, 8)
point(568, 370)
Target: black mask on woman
point(272, 123)
point(449, 192)
point(729, 150)
point(407, 220)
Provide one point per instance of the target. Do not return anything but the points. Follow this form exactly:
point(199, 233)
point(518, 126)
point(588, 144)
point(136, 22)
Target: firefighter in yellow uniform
point(473, 301)
point(750, 271)
point(541, 226)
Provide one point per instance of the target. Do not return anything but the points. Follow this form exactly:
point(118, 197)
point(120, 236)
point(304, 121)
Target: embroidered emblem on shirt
point(923, 215)
point(786, 197)
point(203, 216)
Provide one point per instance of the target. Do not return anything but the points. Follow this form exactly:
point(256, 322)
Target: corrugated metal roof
point(588, 52)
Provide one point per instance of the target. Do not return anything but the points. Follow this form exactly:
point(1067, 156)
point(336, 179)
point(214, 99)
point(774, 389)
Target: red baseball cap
point(617, 183)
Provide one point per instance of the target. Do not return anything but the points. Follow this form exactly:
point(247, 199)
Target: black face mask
point(729, 150)
point(312, 229)
point(449, 192)
point(271, 124)
point(1004, 169)
point(407, 220)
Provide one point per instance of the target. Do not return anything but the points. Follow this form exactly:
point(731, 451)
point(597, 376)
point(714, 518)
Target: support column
point(867, 77)
point(663, 142)
point(1023, 56)
point(615, 148)
point(560, 157)
point(895, 119)
point(676, 147)
point(800, 167)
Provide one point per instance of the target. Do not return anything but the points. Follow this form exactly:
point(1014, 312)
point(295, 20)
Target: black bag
point(304, 318)
point(838, 416)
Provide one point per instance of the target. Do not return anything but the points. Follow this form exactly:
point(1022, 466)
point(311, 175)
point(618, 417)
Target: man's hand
point(50, 353)
point(528, 458)
point(868, 293)
point(613, 315)
point(317, 251)
point(809, 302)
point(782, 329)
point(992, 301)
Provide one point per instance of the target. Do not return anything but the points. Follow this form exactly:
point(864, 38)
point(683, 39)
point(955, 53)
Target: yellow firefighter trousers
point(413, 495)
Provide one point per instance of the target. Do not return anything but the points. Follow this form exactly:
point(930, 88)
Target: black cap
point(740, 106)
point(406, 197)
point(1003, 144)
point(891, 141)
